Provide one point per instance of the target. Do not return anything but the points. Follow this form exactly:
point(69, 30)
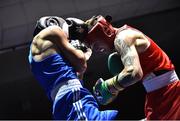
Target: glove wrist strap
point(117, 85)
point(113, 85)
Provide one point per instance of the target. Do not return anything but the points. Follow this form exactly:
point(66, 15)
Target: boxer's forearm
point(132, 71)
point(122, 80)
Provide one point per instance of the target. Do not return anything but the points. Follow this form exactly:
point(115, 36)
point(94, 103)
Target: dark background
point(23, 98)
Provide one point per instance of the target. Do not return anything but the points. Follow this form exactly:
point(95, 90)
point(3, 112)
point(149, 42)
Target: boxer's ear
point(108, 18)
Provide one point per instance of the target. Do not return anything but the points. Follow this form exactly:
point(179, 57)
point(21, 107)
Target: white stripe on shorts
point(78, 104)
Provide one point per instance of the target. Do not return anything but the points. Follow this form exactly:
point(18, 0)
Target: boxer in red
point(143, 60)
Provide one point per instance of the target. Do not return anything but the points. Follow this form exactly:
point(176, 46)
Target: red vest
point(154, 58)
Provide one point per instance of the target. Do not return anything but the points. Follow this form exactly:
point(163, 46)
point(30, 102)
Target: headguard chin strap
point(102, 31)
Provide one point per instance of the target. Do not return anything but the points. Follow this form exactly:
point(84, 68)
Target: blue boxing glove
point(102, 93)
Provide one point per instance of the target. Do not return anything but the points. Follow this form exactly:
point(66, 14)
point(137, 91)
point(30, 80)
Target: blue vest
point(51, 71)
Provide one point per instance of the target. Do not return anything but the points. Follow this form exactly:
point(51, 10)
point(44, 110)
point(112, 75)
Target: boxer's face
point(92, 21)
point(101, 33)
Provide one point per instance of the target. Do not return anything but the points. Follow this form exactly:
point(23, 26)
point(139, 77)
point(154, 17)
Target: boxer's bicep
point(125, 45)
point(132, 70)
point(75, 57)
point(126, 52)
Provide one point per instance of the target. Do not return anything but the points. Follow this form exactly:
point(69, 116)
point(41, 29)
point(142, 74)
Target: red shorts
point(164, 103)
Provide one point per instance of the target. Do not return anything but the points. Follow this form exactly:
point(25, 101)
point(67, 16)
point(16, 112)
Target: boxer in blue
point(59, 66)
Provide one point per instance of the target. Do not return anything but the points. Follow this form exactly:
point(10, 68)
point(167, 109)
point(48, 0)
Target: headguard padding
point(47, 21)
point(102, 31)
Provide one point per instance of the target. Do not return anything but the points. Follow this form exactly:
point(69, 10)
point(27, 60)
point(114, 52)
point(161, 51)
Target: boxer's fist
point(102, 93)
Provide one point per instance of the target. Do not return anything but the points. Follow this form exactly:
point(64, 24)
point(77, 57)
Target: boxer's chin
point(100, 47)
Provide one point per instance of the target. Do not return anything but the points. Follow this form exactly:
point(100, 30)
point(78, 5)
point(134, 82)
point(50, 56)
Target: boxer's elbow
point(133, 75)
point(136, 73)
point(81, 68)
point(81, 64)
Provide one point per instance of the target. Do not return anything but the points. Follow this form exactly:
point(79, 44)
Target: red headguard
point(102, 31)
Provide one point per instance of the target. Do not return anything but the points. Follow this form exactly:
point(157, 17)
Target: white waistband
point(152, 82)
point(64, 87)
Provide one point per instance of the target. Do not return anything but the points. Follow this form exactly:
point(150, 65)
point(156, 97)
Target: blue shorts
point(77, 103)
